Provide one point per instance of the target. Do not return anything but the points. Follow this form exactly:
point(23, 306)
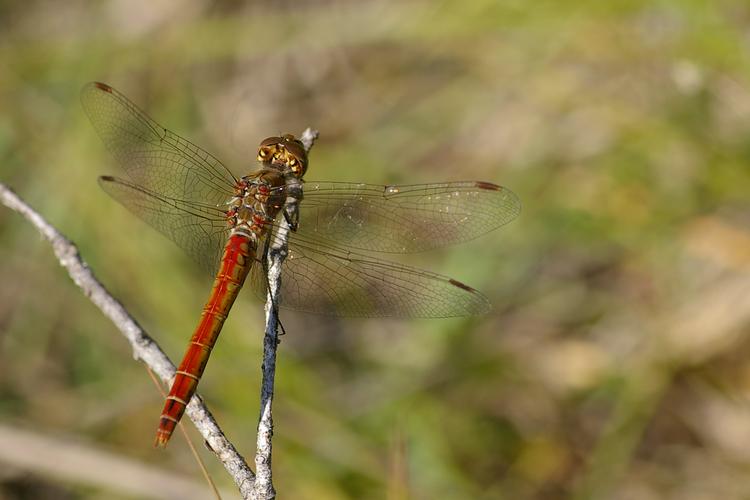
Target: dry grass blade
point(189, 441)
point(80, 463)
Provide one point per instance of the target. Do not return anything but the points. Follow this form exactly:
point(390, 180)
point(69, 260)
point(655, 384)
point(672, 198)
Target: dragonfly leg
point(291, 206)
point(292, 219)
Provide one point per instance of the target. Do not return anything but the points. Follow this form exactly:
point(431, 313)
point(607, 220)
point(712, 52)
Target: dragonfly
point(338, 231)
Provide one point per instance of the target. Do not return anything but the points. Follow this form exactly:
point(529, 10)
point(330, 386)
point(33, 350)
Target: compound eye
point(270, 141)
point(296, 148)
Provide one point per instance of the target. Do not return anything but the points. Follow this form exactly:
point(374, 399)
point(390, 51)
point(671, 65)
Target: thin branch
point(308, 138)
point(144, 347)
point(277, 253)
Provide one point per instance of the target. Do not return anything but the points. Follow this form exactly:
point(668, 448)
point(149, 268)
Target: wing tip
point(509, 202)
point(515, 201)
point(92, 87)
point(477, 304)
point(89, 95)
point(482, 306)
point(508, 199)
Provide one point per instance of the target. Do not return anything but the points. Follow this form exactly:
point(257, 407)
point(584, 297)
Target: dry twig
point(263, 485)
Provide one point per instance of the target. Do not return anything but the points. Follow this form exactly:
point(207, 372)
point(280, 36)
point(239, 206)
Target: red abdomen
point(239, 254)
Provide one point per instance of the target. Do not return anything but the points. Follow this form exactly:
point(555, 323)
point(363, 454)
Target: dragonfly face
point(285, 153)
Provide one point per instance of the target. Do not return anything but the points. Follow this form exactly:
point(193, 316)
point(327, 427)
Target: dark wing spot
point(106, 178)
point(487, 185)
point(462, 286)
point(103, 86)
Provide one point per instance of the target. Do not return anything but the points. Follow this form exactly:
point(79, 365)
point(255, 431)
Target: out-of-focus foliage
point(615, 362)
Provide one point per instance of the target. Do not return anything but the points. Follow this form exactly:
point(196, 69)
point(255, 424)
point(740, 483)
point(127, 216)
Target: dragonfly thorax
point(258, 199)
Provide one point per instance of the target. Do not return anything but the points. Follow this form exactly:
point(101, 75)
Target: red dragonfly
point(225, 223)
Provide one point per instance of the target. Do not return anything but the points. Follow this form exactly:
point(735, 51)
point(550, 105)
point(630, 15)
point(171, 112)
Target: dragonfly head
point(285, 152)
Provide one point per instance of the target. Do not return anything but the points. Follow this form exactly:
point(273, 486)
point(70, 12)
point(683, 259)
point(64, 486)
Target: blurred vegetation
point(614, 364)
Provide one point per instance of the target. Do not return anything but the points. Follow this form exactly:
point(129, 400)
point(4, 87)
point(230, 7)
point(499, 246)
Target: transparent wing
point(403, 219)
point(180, 190)
point(153, 157)
point(199, 229)
point(325, 280)
point(333, 281)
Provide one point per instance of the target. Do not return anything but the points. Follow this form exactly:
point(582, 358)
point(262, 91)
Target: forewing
point(199, 229)
point(332, 281)
point(403, 219)
point(154, 157)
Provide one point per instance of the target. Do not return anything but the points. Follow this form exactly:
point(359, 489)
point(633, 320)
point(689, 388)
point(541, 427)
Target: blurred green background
point(615, 362)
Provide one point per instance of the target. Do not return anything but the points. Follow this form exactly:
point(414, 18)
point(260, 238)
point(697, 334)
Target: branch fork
point(146, 349)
